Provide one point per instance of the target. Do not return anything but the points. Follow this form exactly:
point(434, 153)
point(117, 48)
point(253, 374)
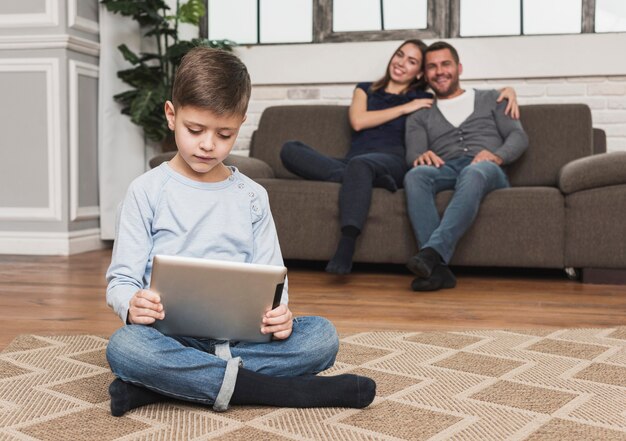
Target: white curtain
point(121, 148)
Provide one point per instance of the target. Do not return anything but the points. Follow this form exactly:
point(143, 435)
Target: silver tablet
point(214, 298)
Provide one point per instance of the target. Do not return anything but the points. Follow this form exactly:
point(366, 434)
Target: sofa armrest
point(593, 171)
point(251, 167)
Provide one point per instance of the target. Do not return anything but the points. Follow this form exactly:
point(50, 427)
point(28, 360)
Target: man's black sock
point(126, 396)
point(424, 262)
point(341, 263)
point(441, 278)
point(345, 390)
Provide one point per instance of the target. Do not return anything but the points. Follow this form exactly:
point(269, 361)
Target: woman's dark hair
point(415, 84)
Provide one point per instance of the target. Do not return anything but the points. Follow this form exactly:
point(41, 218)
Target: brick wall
point(606, 96)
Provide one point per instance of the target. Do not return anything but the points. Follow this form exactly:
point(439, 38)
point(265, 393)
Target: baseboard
point(52, 244)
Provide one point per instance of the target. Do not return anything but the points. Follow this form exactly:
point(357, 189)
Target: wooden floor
point(63, 295)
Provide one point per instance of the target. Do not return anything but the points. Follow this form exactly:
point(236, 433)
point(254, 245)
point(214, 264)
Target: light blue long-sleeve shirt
point(166, 213)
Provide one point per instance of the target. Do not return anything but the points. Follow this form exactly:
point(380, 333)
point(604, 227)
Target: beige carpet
point(471, 385)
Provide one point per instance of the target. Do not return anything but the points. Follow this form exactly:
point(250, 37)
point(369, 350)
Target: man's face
point(442, 73)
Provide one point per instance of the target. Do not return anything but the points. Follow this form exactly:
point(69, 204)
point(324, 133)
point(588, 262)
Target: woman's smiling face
point(406, 64)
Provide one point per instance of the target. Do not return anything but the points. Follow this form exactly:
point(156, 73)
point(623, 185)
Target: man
point(460, 143)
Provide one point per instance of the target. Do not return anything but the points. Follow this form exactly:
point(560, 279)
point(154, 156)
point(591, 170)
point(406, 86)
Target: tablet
point(214, 298)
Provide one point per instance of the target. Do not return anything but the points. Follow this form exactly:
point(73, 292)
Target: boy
point(196, 206)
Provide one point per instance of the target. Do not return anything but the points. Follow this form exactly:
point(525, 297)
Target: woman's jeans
point(471, 182)
point(357, 174)
point(204, 370)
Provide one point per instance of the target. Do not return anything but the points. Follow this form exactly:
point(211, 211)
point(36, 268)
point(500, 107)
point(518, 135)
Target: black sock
point(386, 182)
point(345, 390)
point(341, 263)
point(126, 396)
point(424, 262)
point(441, 278)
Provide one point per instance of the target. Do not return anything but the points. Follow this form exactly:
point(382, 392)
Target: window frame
point(323, 25)
point(588, 18)
point(443, 22)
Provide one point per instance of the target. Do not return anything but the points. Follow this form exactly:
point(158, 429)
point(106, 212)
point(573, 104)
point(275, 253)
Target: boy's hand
point(279, 322)
point(145, 308)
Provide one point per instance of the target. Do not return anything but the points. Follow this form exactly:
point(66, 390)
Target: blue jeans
point(356, 174)
point(471, 182)
point(204, 370)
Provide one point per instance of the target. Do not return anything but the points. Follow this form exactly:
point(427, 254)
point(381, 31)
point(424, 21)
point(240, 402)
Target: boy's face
point(204, 140)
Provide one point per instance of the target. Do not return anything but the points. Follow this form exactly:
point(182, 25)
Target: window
point(553, 17)
point(503, 17)
point(379, 15)
point(234, 20)
point(517, 17)
point(610, 16)
point(274, 27)
point(301, 21)
point(321, 21)
point(260, 21)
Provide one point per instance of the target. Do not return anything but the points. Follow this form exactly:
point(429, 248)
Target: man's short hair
point(440, 45)
point(214, 80)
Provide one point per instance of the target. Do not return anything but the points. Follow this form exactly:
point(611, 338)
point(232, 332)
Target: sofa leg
point(604, 276)
point(572, 273)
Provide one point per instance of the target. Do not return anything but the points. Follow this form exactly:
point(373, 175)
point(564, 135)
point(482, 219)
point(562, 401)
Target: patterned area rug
point(470, 385)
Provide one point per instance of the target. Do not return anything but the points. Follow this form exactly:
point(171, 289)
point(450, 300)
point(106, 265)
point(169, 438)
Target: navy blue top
point(387, 137)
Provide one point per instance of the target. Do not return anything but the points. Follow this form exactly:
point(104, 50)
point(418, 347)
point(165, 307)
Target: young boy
point(195, 206)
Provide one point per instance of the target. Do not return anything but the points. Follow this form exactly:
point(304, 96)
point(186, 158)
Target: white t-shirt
point(457, 109)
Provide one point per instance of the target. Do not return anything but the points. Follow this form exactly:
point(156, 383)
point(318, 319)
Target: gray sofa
point(565, 208)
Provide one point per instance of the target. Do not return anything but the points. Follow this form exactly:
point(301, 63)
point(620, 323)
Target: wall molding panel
point(50, 66)
point(60, 41)
point(50, 17)
point(46, 243)
point(77, 69)
point(79, 23)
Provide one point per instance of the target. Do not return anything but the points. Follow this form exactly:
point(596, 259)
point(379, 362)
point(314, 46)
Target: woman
point(376, 157)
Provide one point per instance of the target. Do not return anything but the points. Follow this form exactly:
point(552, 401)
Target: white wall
point(544, 69)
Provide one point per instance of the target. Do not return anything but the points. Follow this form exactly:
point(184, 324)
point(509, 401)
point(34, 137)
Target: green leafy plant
point(152, 74)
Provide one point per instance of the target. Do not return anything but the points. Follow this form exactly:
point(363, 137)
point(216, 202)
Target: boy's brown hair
point(214, 80)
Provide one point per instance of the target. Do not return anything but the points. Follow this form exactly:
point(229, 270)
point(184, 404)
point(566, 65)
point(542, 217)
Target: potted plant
point(152, 73)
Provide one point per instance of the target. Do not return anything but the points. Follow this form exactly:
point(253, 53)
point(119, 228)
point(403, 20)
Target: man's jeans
point(203, 370)
point(471, 182)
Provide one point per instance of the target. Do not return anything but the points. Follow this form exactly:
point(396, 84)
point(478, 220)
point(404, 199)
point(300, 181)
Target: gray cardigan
point(486, 128)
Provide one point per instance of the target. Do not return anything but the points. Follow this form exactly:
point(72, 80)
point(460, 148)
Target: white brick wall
point(606, 96)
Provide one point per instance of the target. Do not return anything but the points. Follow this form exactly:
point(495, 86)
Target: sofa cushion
point(306, 214)
point(517, 226)
point(558, 134)
point(325, 128)
point(507, 232)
